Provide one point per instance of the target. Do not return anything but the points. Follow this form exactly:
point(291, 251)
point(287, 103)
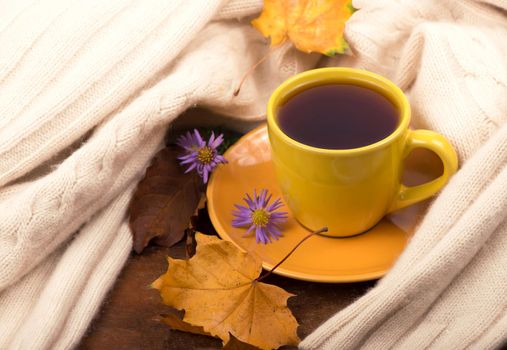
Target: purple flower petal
point(188, 141)
point(278, 215)
point(190, 168)
point(260, 234)
point(187, 161)
point(249, 201)
point(241, 207)
point(265, 230)
point(275, 205)
point(198, 138)
point(274, 231)
point(217, 142)
point(211, 139)
point(250, 229)
point(221, 159)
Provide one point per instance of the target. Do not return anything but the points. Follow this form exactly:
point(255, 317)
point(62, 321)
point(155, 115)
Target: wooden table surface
point(127, 319)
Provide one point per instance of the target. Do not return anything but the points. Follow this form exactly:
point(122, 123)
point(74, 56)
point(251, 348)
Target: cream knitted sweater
point(448, 289)
point(88, 89)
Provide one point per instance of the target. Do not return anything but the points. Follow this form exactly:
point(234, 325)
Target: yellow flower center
point(205, 155)
point(260, 217)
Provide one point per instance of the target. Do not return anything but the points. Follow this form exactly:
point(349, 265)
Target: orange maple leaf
point(311, 25)
point(219, 291)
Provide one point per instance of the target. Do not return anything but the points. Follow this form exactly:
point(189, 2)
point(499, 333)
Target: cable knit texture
point(447, 290)
point(88, 89)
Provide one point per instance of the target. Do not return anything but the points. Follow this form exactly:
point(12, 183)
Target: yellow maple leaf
point(311, 25)
point(219, 292)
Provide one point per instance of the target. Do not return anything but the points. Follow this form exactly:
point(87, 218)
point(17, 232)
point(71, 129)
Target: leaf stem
point(251, 69)
point(189, 232)
point(260, 278)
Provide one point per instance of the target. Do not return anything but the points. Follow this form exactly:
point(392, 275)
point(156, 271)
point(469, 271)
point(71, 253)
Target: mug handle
point(408, 195)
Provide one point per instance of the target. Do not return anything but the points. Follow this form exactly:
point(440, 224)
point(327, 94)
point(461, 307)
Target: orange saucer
point(319, 259)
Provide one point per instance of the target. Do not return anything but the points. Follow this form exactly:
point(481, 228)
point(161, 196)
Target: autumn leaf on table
point(236, 344)
point(312, 26)
point(164, 201)
point(219, 291)
point(178, 324)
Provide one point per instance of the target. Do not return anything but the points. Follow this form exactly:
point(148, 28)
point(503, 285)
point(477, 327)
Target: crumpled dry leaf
point(312, 26)
point(236, 344)
point(219, 292)
point(178, 324)
point(164, 201)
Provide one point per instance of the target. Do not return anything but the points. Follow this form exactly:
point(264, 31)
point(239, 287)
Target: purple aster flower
point(201, 156)
point(260, 216)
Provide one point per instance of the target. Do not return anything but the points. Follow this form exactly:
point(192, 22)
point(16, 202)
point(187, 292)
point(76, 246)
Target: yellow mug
point(350, 190)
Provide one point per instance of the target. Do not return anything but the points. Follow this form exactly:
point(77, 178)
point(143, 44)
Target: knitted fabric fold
point(88, 91)
point(447, 290)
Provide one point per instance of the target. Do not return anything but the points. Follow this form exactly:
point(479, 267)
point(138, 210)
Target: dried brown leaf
point(164, 201)
point(178, 324)
point(236, 344)
point(219, 291)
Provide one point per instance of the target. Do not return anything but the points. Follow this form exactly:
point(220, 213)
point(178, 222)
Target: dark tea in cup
point(338, 116)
